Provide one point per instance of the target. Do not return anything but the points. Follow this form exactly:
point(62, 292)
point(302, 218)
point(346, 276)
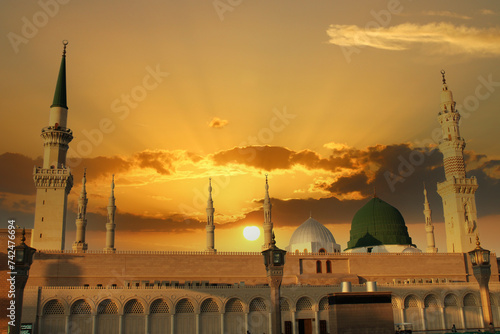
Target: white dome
point(312, 236)
point(411, 250)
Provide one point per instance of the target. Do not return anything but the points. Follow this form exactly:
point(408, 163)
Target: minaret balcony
point(59, 129)
point(52, 171)
point(462, 185)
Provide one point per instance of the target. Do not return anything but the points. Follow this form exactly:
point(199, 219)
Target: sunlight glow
point(251, 233)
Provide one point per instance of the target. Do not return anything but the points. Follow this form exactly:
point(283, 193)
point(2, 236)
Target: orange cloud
point(218, 123)
point(444, 38)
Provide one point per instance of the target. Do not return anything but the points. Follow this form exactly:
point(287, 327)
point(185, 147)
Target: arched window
point(318, 267)
point(304, 304)
point(322, 251)
point(209, 306)
point(234, 305)
point(328, 266)
point(284, 305)
point(184, 306)
point(53, 307)
point(159, 306)
point(258, 304)
point(134, 307)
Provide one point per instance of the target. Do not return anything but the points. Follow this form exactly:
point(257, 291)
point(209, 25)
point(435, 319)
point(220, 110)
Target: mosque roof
point(378, 223)
point(311, 231)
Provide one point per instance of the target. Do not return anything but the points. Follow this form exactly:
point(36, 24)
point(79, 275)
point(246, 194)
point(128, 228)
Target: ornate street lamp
point(481, 267)
point(23, 260)
point(274, 260)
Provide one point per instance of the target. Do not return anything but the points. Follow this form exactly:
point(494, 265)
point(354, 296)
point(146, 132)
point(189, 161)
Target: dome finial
point(65, 42)
point(374, 191)
point(478, 244)
point(444, 79)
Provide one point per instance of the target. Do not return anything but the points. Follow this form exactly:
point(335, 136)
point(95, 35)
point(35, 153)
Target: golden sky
point(328, 98)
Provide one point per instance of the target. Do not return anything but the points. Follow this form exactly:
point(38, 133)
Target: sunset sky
point(332, 99)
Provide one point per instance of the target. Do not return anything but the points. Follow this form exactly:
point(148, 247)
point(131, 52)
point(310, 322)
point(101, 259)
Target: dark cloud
point(131, 222)
point(161, 162)
point(101, 167)
point(16, 173)
point(23, 206)
point(262, 157)
point(347, 184)
point(286, 213)
point(276, 157)
point(400, 173)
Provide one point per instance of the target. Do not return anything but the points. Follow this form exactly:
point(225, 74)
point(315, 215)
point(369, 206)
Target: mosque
point(113, 291)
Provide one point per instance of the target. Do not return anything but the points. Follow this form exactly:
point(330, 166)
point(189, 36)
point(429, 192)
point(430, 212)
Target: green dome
point(378, 223)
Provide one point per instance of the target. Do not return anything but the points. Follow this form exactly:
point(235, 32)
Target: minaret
point(53, 181)
point(81, 219)
point(429, 228)
point(268, 224)
point(210, 220)
point(110, 225)
point(457, 191)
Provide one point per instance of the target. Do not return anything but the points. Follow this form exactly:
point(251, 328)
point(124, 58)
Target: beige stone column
point(120, 324)
point(316, 320)
point(197, 322)
point(442, 317)
point(67, 323)
point(94, 323)
point(422, 318)
point(172, 323)
point(222, 322)
point(462, 317)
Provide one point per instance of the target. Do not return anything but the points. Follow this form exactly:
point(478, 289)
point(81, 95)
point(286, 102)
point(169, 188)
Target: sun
point(251, 233)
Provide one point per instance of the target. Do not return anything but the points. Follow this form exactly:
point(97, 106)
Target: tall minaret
point(429, 228)
point(457, 191)
point(210, 220)
point(268, 224)
point(81, 219)
point(110, 225)
point(53, 181)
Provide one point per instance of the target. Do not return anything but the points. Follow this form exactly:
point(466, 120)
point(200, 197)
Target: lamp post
point(481, 267)
point(274, 260)
point(23, 260)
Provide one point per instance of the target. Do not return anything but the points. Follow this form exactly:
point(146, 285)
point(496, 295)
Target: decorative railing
point(208, 253)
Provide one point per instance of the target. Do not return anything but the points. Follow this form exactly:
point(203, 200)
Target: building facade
point(113, 291)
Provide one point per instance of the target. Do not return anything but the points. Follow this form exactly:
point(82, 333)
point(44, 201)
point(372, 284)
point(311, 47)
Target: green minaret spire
point(60, 94)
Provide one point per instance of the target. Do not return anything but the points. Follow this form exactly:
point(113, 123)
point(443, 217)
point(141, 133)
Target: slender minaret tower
point(457, 191)
point(53, 181)
point(429, 228)
point(110, 225)
point(81, 219)
point(268, 224)
point(210, 220)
